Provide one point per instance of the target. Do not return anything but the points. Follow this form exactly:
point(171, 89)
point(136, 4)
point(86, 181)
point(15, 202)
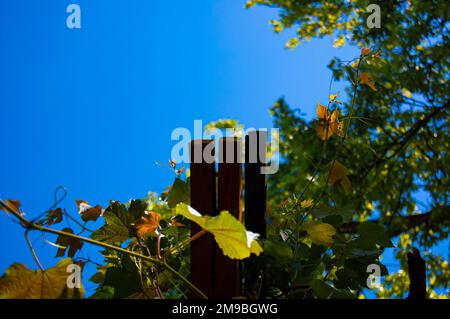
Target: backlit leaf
point(229, 233)
point(148, 224)
point(319, 233)
point(365, 51)
point(19, 282)
point(367, 80)
point(72, 245)
point(54, 217)
point(88, 212)
point(178, 193)
point(338, 176)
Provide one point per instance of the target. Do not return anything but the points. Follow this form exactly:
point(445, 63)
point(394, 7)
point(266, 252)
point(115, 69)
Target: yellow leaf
point(377, 55)
point(19, 282)
point(322, 112)
point(339, 42)
point(320, 233)
point(338, 176)
point(406, 93)
point(324, 131)
point(307, 203)
point(333, 97)
point(365, 51)
point(148, 224)
point(367, 80)
point(230, 235)
point(328, 124)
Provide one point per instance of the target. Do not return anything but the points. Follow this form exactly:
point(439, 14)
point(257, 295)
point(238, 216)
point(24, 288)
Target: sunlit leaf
point(148, 224)
point(119, 222)
point(365, 51)
point(320, 233)
point(19, 282)
point(327, 124)
point(367, 80)
point(307, 203)
point(228, 232)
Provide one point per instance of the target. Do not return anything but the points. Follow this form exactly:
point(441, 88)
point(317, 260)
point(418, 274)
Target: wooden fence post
point(417, 275)
point(255, 201)
point(255, 182)
point(212, 272)
point(227, 271)
point(203, 199)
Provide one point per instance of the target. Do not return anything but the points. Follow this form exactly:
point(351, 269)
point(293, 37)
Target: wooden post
point(255, 202)
point(255, 182)
point(417, 276)
point(227, 271)
point(203, 199)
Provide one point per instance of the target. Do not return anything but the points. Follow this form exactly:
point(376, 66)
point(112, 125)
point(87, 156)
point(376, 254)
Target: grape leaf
point(88, 212)
point(320, 233)
point(119, 222)
point(148, 224)
point(178, 193)
point(64, 242)
point(324, 291)
point(328, 124)
point(19, 282)
point(54, 216)
point(338, 176)
point(372, 234)
point(367, 80)
point(229, 233)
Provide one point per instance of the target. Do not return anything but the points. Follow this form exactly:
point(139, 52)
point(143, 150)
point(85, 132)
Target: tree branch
point(406, 222)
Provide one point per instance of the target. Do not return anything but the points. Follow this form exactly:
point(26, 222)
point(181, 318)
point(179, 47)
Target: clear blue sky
point(93, 109)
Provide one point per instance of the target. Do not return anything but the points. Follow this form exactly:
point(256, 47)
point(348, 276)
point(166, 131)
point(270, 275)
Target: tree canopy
point(396, 151)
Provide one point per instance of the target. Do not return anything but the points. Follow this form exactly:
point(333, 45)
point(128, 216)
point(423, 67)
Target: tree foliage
point(349, 184)
point(397, 149)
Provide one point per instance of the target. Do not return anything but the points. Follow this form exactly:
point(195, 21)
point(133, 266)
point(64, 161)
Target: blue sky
point(93, 109)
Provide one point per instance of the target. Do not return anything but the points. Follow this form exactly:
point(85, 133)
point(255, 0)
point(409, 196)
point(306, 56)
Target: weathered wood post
point(255, 200)
point(203, 199)
point(212, 272)
point(227, 271)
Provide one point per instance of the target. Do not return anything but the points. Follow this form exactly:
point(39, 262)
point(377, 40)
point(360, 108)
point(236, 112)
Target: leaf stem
point(36, 259)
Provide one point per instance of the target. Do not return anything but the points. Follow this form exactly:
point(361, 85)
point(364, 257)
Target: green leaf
point(321, 289)
point(280, 251)
point(320, 233)
point(372, 234)
point(324, 291)
point(115, 230)
point(179, 193)
point(229, 233)
point(19, 282)
point(119, 222)
point(126, 281)
point(104, 292)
